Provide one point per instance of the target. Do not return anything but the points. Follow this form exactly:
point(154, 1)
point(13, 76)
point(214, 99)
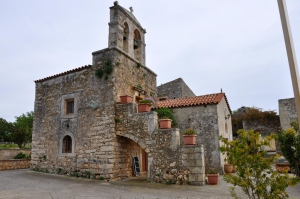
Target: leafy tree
point(290, 146)
point(255, 174)
point(5, 130)
point(22, 129)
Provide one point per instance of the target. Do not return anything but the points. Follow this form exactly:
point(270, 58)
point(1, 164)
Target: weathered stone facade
point(265, 128)
point(209, 122)
point(174, 89)
point(165, 155)
point(80, 126)
point(287, 112)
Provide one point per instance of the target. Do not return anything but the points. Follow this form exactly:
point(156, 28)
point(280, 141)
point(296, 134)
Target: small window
point(70, 106)
point(67, 144)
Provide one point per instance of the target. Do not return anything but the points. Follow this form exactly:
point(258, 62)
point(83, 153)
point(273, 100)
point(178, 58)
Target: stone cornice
point(124, 53)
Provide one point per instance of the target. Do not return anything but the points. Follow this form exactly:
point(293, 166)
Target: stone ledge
point(14, 164)
point(124, 53)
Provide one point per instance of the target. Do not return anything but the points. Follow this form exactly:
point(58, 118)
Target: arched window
point(67, 144)
point(125, 37)
point(137, 45)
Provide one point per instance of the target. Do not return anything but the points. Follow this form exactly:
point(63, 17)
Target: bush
point(8, 146)
point(255, 174)
point(20, 156)
point(99, 73)
point(290, 146)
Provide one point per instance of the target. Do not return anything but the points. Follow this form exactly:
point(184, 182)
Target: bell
point(135, 44)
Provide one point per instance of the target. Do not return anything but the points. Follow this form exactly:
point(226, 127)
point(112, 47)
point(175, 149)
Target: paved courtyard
point(23, 184)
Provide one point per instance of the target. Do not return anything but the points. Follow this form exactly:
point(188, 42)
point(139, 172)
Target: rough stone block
point(188, 163)
point(106, 148)
point(196, 170)
point(90, 151)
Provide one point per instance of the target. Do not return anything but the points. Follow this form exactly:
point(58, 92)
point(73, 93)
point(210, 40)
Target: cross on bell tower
point(126, 33)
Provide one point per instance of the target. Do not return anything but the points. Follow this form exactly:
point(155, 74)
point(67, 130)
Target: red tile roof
point(193, 101)
point(64, 73)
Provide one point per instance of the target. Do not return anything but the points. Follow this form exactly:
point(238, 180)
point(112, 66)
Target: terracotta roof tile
point(64, 73)
point(193, 101)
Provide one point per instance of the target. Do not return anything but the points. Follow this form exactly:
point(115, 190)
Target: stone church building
point(80, 124)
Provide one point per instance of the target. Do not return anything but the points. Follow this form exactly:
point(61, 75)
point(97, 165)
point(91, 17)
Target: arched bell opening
point(128, 153)
point(125, 37)
point(137, 45)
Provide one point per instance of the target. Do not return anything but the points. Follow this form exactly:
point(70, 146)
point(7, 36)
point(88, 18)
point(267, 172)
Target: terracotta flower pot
point(143, 108)
point(228, 168)
point(212, 179)
point(189, 139)
point(165, 123)
point(125, 99)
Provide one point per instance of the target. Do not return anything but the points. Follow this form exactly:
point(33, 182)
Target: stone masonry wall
point(224, 125)
point(91, 129)
point(175, 89)
point(127, 74)
point(7, 154)
point(204, 120)
point(96, 146)
point(287, 112)
point(14, 164)
point(166, 160)
point(265, 128)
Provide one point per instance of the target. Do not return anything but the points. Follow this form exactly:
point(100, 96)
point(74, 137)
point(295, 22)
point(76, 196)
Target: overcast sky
point(236, 45)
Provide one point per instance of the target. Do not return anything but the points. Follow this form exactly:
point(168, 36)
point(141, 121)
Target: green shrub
point(254, 172)
point(290, 146)
point(20, 156)
point(99, 72)
point(9, 146)
point(87, 173)
point(59, 170)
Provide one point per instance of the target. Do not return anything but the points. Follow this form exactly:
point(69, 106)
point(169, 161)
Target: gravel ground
point(23, 184)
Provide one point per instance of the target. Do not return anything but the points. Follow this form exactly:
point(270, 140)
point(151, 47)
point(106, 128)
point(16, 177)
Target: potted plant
point(212, 176)
point(125, 99)
point(228, 168)
point(166, 118)
point(165, 123)
point(189, 137)
point(144, 105)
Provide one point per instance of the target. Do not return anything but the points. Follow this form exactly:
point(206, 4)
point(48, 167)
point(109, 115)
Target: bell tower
point(126, 33)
